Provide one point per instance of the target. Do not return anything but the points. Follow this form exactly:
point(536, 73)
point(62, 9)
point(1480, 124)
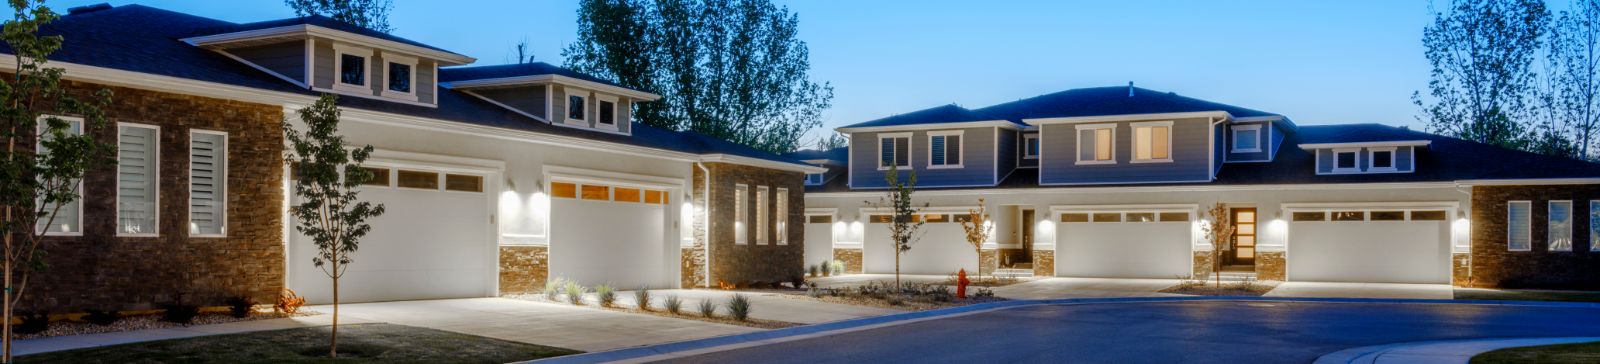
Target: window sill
point(1095, 162)
point(211, 236)
point(604, 126)
point(400, 95)
point(885, 168)
point(64, 234)
point(1168, 160)
point(571, 121)
point(137, 235)
point(946, 166)
point(1345, 171)
point(1382, 170)
point(352, 88)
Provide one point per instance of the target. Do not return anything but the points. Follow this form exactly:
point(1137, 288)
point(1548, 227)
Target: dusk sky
point(1317, 62)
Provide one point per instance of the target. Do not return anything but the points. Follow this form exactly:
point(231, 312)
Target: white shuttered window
point(137, 179)
point(208, 186)
point(761, 215)
point(781, 201)
point(67, 219)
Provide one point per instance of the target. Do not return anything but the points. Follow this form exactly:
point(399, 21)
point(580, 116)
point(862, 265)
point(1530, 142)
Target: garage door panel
point(1369, 251)
point(603, 242)
point(942, 249)
point(819, 242)
point(1124, 250)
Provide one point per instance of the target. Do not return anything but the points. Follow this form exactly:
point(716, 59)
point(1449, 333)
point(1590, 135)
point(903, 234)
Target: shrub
point(642, 296)
point(179, 313)
point(799, 282)
point(708, 308)
point(673, 304)
point(813, 271)
point(288, 302)
point(606, 295)
point(552, 289)
point(102, 317)
point(32, 322)
point(575, 292)
point(739, 307)
point(241, 306)
point(983, 293)
point(894, 300)
point(836, 266)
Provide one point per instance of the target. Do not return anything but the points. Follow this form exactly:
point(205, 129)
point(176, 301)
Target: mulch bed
point(149, 321)
point(1254, 288)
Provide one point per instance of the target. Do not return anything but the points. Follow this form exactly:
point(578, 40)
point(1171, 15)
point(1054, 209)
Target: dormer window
point(351, 64)
point(1030, 146)
point(813, 179)
point(1344, 160)
point(606, 113)
point(1367, 157)
point(1380, 159)
point(575, 108)
point(400, 76)
point(1247, 138)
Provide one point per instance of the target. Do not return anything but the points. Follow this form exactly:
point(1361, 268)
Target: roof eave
point(1006, 124)
point(1394, 143)
point(763, 163)
point(548, 78)
point(1126, 117)
point(444, 57)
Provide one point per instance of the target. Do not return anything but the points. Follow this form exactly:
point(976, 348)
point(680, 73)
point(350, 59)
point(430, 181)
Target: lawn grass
point(361, 343)
point(1527, 295)
point(1563, 353)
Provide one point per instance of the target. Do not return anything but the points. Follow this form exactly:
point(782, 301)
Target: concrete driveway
point(1168, 332)
point(581, 328)
point(1363, 290)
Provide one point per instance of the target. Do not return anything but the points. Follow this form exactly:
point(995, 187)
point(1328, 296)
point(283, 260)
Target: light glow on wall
point(1461, 234)
point(1277, 232)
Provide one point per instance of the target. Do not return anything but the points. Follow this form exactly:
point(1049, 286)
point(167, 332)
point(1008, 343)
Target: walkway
point(1437, 352)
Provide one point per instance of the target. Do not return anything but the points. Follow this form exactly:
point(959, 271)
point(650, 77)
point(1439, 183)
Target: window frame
point(820, 178)
point(909, 154)
point(223, 177)
point(156, 186)
point(1528, 219)
point(1094, 129)
point(339, 51)
point(1253, 128)
point(598, 104)
point(584, 103)
point(1594, 226)
point(1137, 143)
point(1029, 140)
point(1372, 159)
point(1550, 225)
point(38, 147)
point(1355, 166)
point(961, 148)
point(780, 218)
point(410, 62)
point(740, 214)
point(762, 214)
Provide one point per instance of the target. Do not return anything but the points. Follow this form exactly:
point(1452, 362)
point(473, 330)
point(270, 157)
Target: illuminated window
point(624, 194)
point(418, 179)
point(655, 197)
point(463, 183)
point(1097, 144)
point(1560, 229)
point(595, 192)
point(1152, 142)
point(739, 221)
point(563, 190)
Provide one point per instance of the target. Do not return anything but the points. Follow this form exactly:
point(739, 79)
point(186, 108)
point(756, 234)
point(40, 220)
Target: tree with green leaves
point(1482, 55)
point(46, 155)
point(1570, 92)
point(326, 175)
point(370, 14)
point(834, 140)
point(905, 228)
point(731, 69)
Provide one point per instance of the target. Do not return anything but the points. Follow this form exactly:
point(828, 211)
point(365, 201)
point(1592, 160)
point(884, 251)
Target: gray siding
point(424, 83)
point(323, 73)
point(1263, 155)
point(1191, 156)
point(977, 154)
point(1007, 141)
point(1021, 161)
point(558, 107)
point(322, 64)
point(1402, 155)
point(287, 59)
point(1218, 153)
point(530, 100)
point(1277, 139)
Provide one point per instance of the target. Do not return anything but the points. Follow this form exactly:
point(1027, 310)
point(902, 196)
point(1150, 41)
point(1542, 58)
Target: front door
point(1244, 237)
point(1027, 232)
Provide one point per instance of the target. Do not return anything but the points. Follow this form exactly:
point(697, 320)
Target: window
point(1433, 215)
point(895, 150)
point(563, 190)
point(68, 219)
point(1247, 138)
point(1560, 232)
point(1380, 159)
point(208, 183)
point(1594, 225)
point(1519, 225)
point(1074, 217)
point(1174, 216)
point(1097, 144)
point(352, 70)
point(380, 177)
point(1310, 216)
point(655, 197)
point(819, 219)
point(739, 220)
point(761, 215)
point(879, 219)
point(813, 179)
point(137, 179)
point(1152, 142)
point(463, 183)
point(944, 149)
point(935, 218)
point(418, 179)
point(594, 192)
point(1141, 217)
point(607, 112)
point(627, 194)
point(1107, 217)
point(1344, 160)
point(781, 217)
point(1388, 215)
point(1030, 146)
point(1349, 216)
point(575, 107)
point(400, 77)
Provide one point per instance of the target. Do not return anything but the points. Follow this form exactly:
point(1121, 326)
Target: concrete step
point(1013, 273)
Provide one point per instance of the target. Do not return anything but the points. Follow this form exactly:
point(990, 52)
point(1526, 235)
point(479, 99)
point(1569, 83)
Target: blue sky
point(1330, 62)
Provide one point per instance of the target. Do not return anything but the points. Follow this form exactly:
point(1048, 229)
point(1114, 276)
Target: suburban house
point(1116, 181)
point(496, 178)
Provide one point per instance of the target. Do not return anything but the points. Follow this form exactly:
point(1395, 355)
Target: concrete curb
point(1442, 351)
point(731, 342)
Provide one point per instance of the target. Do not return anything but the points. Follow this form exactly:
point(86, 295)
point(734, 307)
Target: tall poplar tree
point(1482, 82)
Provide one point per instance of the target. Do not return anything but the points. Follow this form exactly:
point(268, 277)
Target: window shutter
point(937, 145)
point(886, 148)
point(902, 151)
point(1519, 221)
point(207, 184)
point(136, 180)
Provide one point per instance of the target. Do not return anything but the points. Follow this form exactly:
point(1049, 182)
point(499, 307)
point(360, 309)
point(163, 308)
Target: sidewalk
point(59, 343)
point(1436, 352)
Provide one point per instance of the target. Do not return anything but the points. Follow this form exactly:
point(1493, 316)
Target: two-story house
point(1118, 181)
point(495, 178)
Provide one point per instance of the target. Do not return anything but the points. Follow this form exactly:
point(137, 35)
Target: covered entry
point(1374, 244)
point(611, 231)
point(1124, 241)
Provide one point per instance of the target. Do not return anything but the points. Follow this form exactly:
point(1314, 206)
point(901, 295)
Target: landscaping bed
point(1563, 353)
point(985, 281)
point(1527, 295)
point(1200, 287)
point(360, 343)
point(908, 296)
point(149, 321)
point(737, 309)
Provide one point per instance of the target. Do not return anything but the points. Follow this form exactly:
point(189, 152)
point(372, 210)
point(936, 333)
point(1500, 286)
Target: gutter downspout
point(706, 219)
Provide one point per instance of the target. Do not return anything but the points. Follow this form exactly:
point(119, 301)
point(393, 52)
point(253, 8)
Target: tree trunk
point(8, 308)
point(897, 266)
point(333, 345)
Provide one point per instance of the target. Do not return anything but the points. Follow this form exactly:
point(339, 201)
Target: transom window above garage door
point(1369, 215)
point(924, 218)
point(423, 180)
point(606, 192)
point(1125, 216)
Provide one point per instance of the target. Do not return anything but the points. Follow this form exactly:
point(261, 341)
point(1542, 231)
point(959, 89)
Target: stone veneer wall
point(1461, 269)
point(101, 270)
point(1202, 264)
point(1270, 266)
point(851, 258)
point(1493, 265)
point(692, 271)
point(1044, 263)
point(752, 263)
point(523, 269)
point(989, 261)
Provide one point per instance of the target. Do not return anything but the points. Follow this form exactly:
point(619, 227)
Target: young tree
point(1218, 228)
point(977, 227)
point(370, 14)
point(329, 212)
point(904, 226)
point(731, 69)
point(45, 157)
point(1482, 54)
point(1570, 92)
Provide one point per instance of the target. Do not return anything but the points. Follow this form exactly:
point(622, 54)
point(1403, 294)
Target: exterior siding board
point(530, 100)
point(1402, 158)
point(1007, 141)
point(322, 63)
point(287, 59)
point(1324, 161)
point(424, 85)
point(1190, 157)
point(977, 159)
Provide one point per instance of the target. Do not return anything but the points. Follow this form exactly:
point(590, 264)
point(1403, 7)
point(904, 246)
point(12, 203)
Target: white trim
point(1135, 137)
point(763, 214)
point(1549, 242)
point(1234, 131)
point(1355, 166)
point(38, 147)
point(994, 173)
point(1372, 158)
point(222, 178)
point(411, 63)
point(1126, 117)
point(1529, 235)
point(741, 193)
point(1025, 138)
point(599, 98)
point(556, 79)
point(780, 217)
point(568, 119)
point(339, 51)
point(763, 163)
point(961, 148)
point(1078, 139)
point(155, 183)
point(1403, 143)
point(311, 62)
point(318, 31)
point(909, 153)
point(1124, 189)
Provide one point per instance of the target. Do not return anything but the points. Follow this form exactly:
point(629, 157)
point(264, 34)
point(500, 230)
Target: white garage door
point(1376, 246)
point(432, 242)
point(1124, 244)
point(819, 239)
point(942, 249)
point(610, 234)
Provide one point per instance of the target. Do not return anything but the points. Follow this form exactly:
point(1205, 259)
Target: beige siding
point(424, 84)
point(322, 64)
point(530, 100)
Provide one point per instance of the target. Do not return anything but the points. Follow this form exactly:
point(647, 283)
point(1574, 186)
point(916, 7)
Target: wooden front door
point(1244, 237)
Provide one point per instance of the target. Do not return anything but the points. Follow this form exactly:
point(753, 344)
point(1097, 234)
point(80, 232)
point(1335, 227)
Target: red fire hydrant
point(961, 284)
